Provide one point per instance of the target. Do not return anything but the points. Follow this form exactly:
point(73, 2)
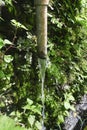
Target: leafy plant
point(7, 123)
point(18, 24)
point(66, 72)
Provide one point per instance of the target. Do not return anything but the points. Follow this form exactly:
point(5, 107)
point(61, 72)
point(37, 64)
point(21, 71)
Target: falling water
point(42, 64)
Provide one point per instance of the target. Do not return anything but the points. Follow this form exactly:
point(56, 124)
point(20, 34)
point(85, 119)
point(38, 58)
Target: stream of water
point(42, 66)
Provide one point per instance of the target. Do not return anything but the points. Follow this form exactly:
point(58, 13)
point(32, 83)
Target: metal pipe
point(41, 24)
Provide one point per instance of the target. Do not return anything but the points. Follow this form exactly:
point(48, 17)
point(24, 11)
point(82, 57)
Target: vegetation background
point(66, 72)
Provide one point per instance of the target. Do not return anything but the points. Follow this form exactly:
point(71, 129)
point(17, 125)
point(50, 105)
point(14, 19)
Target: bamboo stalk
point(41, 23)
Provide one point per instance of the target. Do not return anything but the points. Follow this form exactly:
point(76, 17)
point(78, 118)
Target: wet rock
point(77, 120)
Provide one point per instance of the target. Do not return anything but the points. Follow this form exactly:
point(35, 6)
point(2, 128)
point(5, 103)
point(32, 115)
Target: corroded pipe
point(41, 23)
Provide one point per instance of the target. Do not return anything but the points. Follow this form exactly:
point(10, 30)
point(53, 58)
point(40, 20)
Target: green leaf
point(27, 107)
point(18, 24)
point(30, 129)
point(1, 19)
point(9, 2)
point(60, 119)
point(71, 98)
point(72, 108)
point(85, 127)
point(67, 105)
point(31, 120)
point(29, 101)
point(8, 58)
point(6, 41)
point(2, 75)
point(1, 43)
point(7, 123)
point(38, 125)
point(36, 109)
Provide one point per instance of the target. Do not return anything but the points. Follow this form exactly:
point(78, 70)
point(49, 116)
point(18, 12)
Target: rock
point(77, 120)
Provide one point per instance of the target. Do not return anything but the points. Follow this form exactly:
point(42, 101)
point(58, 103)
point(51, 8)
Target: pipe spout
point(41, 24)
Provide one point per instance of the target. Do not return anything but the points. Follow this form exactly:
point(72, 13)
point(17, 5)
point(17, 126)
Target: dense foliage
point(66, 70)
